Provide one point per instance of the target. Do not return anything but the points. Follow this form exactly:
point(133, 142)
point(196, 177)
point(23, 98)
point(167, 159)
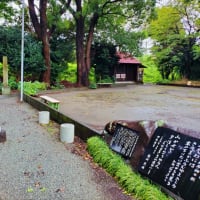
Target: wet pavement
point(177, 106)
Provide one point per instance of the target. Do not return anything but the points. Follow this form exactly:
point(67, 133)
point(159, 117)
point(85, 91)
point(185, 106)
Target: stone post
point(5, 87)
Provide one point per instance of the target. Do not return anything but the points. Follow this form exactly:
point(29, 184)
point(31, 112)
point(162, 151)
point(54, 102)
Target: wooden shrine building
point(129, 69)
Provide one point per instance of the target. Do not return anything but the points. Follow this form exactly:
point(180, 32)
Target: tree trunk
point(81, 67)
point(41, 30)
point(45, 41)
point(93, 23)
point(46, 54)
point(82, 72)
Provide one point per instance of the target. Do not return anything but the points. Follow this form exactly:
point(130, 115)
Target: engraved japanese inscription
point(124, 140)
point(173, 161)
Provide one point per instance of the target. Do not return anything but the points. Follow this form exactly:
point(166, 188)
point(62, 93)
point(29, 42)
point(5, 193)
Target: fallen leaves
point(80, 148)
point(62, 189)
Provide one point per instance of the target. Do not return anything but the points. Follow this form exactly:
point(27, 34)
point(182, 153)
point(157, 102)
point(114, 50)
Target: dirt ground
point(177, 106)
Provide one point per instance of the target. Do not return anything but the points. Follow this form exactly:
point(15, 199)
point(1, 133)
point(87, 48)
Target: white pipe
point(22, 55)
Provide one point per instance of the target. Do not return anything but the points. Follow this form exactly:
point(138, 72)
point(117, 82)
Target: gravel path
point(34, 165)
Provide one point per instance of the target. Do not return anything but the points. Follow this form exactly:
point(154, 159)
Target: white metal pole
point(22, 55)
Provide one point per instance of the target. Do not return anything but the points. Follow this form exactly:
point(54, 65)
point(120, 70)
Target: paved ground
point(178, 106)
point(35, 165)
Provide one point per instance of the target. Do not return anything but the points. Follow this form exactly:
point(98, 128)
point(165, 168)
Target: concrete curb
point(81, 130)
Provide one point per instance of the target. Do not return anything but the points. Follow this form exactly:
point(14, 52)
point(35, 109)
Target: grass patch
point(129, 180)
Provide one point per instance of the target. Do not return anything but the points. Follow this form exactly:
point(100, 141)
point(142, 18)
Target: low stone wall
point(81, 130)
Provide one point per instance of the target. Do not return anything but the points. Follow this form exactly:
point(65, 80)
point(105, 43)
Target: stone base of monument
point(168, 156)
point(2, 135)
point(6, 90)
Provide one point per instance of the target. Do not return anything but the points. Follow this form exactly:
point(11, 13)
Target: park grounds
point(35, 165)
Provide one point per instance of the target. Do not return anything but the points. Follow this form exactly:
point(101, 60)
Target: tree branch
point(34, 18)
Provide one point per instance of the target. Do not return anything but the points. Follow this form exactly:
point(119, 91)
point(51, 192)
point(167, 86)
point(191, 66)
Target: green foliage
point(12, 83)
point(176, 46)
point(33, 59)
point(69, 73)
point(167, 23)
point(57, 85)
point(92, 78)
point(151, 73)
point(104, 60)
point(62, 45)
point(1, 84)
point(131, 181)
point(11, 47)
point(175, 74)
point(106, 79)
point(120, 14)
point(1, 70)
point(196, 52)
point(127, 40)
point(93, 86)
point(32, 88)
point(7, 11)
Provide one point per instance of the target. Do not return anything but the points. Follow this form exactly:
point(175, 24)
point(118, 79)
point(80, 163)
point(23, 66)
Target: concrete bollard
point(67, 133)
point(44, 117)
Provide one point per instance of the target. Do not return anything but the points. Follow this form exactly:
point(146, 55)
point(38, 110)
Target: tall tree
point(43, 29)
point(189, 10)
point(87, 15)
point(40, 26)
point(176, 33)
point(166, 31)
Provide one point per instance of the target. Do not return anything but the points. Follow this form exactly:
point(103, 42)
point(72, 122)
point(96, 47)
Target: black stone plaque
point(124, 140)
point(173, 161)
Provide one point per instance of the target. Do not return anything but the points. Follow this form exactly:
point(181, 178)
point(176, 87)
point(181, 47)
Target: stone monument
point(5, 87)
point(169, 156)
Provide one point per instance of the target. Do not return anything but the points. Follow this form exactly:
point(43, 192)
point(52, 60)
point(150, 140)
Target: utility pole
point(22, 55)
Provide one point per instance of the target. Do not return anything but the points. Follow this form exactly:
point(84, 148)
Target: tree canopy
point(176, 35)
point(67, 29)
point(88, 14)
point(11, 47)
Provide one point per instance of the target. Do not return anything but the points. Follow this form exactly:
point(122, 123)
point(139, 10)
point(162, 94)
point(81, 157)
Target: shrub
point(12, 83)
point(69, 74)
point(106, 79)
point(131, 181)
point(32, 88)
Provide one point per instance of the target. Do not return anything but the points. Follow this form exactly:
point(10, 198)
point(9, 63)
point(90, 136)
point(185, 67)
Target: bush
point(69, 74)
point(93, 86)
point(131, 181)
point(10, 38)
point(92, 78)
point(12, 83)
point(32, 88)
point(106, 79)
point(151, 73)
